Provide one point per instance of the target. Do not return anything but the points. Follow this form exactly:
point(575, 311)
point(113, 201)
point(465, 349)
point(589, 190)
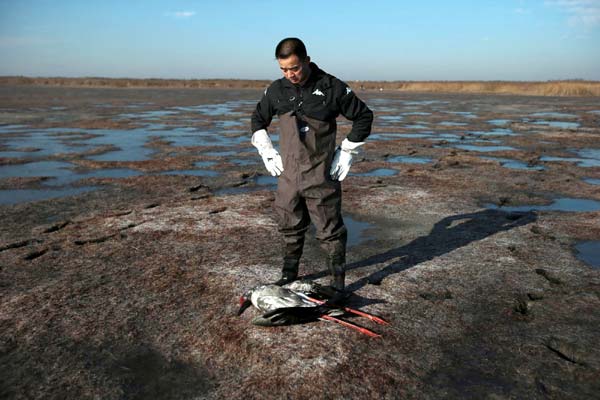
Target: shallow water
point(495, 132)
point(589, 252)
point(587, 158)
point(515, 164)
point(409, 160)
point(194, 172)
point(558, 124)
point(378, 172)
point(483, 149)
point(16, 196)
point(416, 113)
point(592, 181)
point(48, 141)
point(466, 114)
point(452, 123)
point(563, 204)
point(553, 115)
point(499, 122)
point(38, 168)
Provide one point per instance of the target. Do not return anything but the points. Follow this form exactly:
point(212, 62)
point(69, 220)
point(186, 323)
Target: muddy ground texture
point(129, 290)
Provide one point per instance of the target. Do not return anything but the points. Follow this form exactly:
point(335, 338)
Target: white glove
point(270, 156)
point(342, 159)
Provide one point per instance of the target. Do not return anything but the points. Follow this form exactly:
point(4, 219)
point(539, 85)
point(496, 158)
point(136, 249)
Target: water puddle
point(588, 158)
point(592, 181)
point(243, 161)
point(424, 102)
point(422, 135)
point(409, 160)
point(483, 149)
point(466, 114)
point(221, 153)
point(558, 124)
point(193, 172)
point(379, 172)
point(204, 164)
point(99, 173)
point(499, 122)
point(448, 137)
point(452, 123)
point(495, 132)
point(228, 124)
point(52, 169)
point(150, 115)
point(131, 144)
point(390, 118)
point(563, 204)
point(48, 142)
point(416, 113)
point(589, 252)
point(514, 164)
point(385, 136)
point(11, 128)
point(553, 115)
point(17, 196)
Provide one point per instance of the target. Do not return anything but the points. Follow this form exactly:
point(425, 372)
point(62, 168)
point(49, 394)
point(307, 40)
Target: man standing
point(307, 101)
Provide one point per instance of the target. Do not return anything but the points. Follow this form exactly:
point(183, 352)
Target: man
point(307, 101)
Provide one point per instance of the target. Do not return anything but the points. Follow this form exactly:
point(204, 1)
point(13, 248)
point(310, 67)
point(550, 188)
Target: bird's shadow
point(446, 235)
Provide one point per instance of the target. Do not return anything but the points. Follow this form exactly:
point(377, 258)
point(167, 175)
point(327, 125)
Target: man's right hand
point(270, 156)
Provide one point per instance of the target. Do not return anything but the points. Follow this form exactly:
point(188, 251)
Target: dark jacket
point(322, 97)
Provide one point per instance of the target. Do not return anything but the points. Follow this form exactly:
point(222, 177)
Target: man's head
point(293, 61)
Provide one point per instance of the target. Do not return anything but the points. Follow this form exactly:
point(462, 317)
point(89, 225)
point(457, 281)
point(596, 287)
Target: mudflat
point(133, 219)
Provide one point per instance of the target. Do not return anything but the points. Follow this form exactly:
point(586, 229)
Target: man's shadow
point(446, 235)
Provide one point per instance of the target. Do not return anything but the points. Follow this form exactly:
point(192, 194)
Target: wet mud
point(133, 219)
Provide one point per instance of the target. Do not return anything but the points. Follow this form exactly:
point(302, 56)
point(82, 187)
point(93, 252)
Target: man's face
point(293, 69)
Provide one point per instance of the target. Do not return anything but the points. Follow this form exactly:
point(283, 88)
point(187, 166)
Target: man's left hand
point(342, 159)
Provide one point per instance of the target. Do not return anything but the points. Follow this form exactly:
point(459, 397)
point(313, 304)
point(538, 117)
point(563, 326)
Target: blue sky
point(372, 40)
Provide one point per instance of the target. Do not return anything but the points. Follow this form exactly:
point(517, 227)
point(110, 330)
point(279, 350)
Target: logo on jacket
point(348, 90)
point(318, 93)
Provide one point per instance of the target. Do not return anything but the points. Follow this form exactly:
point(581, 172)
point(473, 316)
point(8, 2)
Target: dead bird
point(283, 306)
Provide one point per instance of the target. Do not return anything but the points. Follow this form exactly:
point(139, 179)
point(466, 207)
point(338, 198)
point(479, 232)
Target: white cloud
point(582, 13)
point(181, 14)
point(522, 11)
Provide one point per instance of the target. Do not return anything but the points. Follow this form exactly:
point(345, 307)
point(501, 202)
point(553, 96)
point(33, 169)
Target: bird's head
point(245, 302)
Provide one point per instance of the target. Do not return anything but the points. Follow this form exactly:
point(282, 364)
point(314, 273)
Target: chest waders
point(306, 192)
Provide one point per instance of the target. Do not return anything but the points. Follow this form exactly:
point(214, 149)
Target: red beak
point(244, 304)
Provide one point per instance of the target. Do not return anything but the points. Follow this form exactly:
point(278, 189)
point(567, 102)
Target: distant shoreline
point(532, 88)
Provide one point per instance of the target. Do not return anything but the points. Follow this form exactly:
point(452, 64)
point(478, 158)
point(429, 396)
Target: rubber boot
point(337, 269)
point(289, 272)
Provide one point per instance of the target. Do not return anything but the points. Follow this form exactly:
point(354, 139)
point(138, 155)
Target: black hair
point(290, 46)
